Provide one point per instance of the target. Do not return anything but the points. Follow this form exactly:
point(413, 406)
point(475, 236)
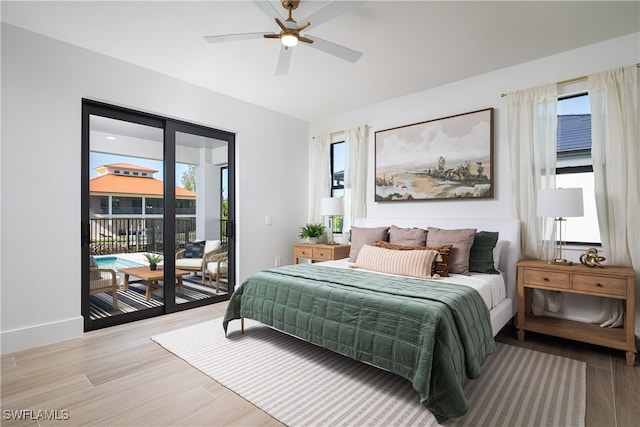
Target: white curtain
point(355, 175)
point(320, 177)
point(616, 168)
point(532, 124)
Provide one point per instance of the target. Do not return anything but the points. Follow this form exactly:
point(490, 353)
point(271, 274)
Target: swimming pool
point(116, 263)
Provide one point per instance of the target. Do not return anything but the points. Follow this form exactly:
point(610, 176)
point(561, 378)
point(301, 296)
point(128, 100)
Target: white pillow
point(404, 263)
point(211, 245)
point(497, 251)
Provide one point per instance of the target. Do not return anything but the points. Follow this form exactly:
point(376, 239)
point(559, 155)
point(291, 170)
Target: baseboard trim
point(38, 335)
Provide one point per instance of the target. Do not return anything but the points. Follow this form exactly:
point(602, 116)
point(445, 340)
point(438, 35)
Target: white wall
point(43, 82)
point(478, 93)
point(473, 94)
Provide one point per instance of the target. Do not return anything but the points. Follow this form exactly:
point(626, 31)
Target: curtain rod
point(563, 82)
point(337, 132)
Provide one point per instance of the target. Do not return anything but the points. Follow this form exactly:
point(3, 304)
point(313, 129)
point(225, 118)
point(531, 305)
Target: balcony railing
point(138, 211)
point(124, 235)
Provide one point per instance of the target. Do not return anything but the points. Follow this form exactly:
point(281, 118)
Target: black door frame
point(170, 127)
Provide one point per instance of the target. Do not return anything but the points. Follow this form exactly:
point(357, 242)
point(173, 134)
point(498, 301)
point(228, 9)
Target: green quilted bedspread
point(432, 333)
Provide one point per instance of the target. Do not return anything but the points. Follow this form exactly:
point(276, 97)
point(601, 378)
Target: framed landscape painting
point(447, 158)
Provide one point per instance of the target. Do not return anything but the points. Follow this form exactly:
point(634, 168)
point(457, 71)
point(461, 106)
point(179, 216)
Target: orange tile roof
point(119, 184)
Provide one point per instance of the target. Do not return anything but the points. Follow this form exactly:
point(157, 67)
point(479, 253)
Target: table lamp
point(560, 203)
point(331, 206)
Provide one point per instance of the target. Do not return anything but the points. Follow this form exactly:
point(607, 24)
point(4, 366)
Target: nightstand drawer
point(319, 252)
point(547, 279)
point(606, 285)
point(323, 254)
point(303, 252)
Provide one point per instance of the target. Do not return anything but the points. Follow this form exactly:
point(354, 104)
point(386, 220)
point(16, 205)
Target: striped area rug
point(301, 384)
point(101, 305)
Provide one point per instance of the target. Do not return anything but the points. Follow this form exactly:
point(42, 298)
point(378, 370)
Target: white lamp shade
point(560, 202)
point(331, 206)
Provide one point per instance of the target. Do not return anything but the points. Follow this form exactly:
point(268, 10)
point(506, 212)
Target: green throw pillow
point(481, 256)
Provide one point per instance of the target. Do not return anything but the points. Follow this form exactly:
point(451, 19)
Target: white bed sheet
point(491, 287)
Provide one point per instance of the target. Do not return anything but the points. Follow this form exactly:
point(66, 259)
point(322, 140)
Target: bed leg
point(242, 326)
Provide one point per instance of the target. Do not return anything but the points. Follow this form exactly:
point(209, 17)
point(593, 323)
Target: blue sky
point(575, 105)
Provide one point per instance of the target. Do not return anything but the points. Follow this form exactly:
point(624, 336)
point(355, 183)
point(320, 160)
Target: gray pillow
point(194, 250)
point(407, 236)
point(461, 239)
point(366, 236)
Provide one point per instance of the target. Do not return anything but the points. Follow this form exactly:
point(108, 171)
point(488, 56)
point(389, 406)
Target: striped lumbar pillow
point(440, 265)
point(404, 263)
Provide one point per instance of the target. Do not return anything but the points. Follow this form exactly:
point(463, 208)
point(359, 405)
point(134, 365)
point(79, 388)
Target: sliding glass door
point(156, 238)
point(201, 237)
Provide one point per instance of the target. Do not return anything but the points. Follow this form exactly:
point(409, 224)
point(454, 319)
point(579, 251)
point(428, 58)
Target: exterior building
point(126, 189)
point(126, 200)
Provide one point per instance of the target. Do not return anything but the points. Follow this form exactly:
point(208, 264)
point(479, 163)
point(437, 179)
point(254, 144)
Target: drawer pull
point(546, 279)
point(599, 285)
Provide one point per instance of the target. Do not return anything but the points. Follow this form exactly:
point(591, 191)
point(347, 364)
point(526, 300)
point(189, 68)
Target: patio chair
point(103, 280)
point(195, 256)
point(218, 267)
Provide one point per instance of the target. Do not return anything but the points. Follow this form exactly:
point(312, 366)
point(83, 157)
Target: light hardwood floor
point(119, 377)
point(613, 388)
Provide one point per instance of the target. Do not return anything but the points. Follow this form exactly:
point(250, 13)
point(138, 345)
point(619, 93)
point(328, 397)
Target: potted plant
point(311, 232)
point(153, 259)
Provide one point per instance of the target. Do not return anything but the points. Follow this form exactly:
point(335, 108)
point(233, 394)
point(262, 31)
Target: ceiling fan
point(289, 34)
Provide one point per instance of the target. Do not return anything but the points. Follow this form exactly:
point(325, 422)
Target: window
point(104, 205)
point(337, 178)
point(574, 167)
point(337, 169)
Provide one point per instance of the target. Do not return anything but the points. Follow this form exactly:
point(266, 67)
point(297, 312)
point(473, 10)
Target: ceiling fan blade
point(303, 26)
point(281, 25)
point(233, 37)
point(267, 8)
point(331, 10)
point(334, 49)
point(284, 59)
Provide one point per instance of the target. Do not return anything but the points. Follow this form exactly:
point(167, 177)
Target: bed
point(435, 333)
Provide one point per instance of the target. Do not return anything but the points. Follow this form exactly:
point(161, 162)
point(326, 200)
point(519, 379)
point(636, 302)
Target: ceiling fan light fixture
point(289, 40)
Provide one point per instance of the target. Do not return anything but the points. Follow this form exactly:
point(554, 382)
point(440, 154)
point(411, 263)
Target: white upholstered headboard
point(508, 229)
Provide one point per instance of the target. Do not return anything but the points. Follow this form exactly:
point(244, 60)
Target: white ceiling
point(407, 46)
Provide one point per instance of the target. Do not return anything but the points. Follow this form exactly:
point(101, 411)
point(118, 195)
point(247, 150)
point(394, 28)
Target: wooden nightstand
point(319, 251)
point(609, 282)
